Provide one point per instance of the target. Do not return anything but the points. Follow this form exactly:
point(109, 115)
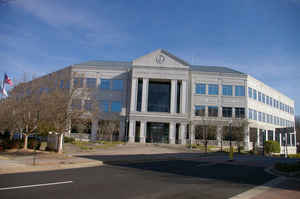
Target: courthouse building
point(161, 98)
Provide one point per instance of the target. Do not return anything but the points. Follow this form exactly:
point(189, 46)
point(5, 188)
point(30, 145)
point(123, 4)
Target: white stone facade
point(183, 79)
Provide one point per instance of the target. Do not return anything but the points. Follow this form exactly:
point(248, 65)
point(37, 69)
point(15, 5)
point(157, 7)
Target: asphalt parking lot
point(174, 178)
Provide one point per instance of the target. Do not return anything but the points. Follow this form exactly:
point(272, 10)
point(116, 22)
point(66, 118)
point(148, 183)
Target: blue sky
point(258, 37)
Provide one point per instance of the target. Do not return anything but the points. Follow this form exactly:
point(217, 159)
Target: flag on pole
point(7, 80)
point(3, 91)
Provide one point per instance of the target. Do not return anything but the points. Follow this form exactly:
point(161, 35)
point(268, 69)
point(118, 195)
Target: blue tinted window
point(239, 90)
point(213, 89)
point(267, 100)
point(254, 114)
point(67, 84)
point(271, 101)
point(78, 82)
point(104, 106)
point(227, 90)
point(200, 110)
point(117, 84)
point(250, 114)
point(259, 116)
point(250, 92)
point(263, 98)
point(201, 88)
point(259, 96)
point(91, 82)
point(254, 94)
point(61, 84)
point(263, 117)
point(105, 84)
point(116, 107)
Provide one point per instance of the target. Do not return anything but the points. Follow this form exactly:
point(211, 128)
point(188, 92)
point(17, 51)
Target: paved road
point(155, 179)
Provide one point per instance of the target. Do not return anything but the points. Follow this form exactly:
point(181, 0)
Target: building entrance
point(157, 132)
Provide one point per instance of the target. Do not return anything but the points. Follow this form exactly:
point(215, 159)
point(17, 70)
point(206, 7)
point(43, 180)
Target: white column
point(173, 96)
point(280, 142)
point(192, 133)
point(94, 129)
point(122, 130)
point(183, 101)
point(131, 131)
point(143, 132)
point(145, 94)
point(274, 135)
point(219, 134)
point(134, 89)
point(246, 138)
point(267, 135)
point(183, 133)
point(172, 132)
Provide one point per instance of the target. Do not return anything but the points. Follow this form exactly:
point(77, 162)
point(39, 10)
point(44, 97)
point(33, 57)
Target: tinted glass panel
point(239, 90)
point(200, 110)
point(213, 111)
point(213, 89)
point(91, 82)
point(116, 107)
point(227, 90)
point(159, 96)
point(105, 84)
point(201, 88)
point(117, 84)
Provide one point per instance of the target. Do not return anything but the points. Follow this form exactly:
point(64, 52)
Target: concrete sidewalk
point(43, 162)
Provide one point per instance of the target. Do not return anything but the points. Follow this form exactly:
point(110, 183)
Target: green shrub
point(34, 144)
point(69, 139)
point(272, 147)
point(12, 144)
point(294, 155)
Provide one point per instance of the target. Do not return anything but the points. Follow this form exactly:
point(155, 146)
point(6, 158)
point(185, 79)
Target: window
point(267, 100)
point(263, 98)
point(78, 82)
point(263, 117)
point(200, 110)
point(104, 106)
point(250, 92)
point(88, 105)
point(240, 112)
point(61, 84)
point(91, 82)
point(250, 114)
point(227, 112)
point(259, 116)
point(271, 101)
point(213, 89)
point(254, 94)
point(117, 84)
point(201, 88)
point(116, 107)
point(239, 90)
point(105, 84)
point(76, 104)
point(213, 111)
point(67, 84)
point(254, 114)
point(227, 90)
point(259, 96)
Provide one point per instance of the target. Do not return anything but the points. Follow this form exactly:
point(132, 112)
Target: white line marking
point(35, 185)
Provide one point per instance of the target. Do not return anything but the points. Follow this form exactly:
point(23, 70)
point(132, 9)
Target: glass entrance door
point(157, 132)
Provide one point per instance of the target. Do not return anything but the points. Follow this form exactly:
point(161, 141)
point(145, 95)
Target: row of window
point(268, 118)
point(213, 89)
point(105, 84)
point(213, 111)
point(104, 106)
point(261, 97)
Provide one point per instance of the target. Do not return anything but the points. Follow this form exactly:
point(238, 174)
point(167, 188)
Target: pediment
point(160, 58)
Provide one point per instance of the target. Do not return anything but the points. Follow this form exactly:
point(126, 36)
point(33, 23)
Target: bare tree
point(205, 131)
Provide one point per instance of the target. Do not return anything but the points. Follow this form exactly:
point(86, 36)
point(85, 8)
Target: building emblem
point(160, 59)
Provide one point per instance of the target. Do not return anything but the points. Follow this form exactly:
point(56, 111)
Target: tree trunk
point(25, 142)
point(60, 143)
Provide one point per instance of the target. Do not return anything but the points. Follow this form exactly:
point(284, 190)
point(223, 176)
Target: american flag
point(7, 80)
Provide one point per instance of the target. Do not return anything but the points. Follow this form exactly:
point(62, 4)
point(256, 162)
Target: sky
point(257, 37)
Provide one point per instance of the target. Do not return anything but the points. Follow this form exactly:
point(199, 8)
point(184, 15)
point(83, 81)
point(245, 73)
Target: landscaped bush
point(294, 155)
point(287, 167)
point(272, 147)
point(69, 139)
point(34, 144)
point(12, 144)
